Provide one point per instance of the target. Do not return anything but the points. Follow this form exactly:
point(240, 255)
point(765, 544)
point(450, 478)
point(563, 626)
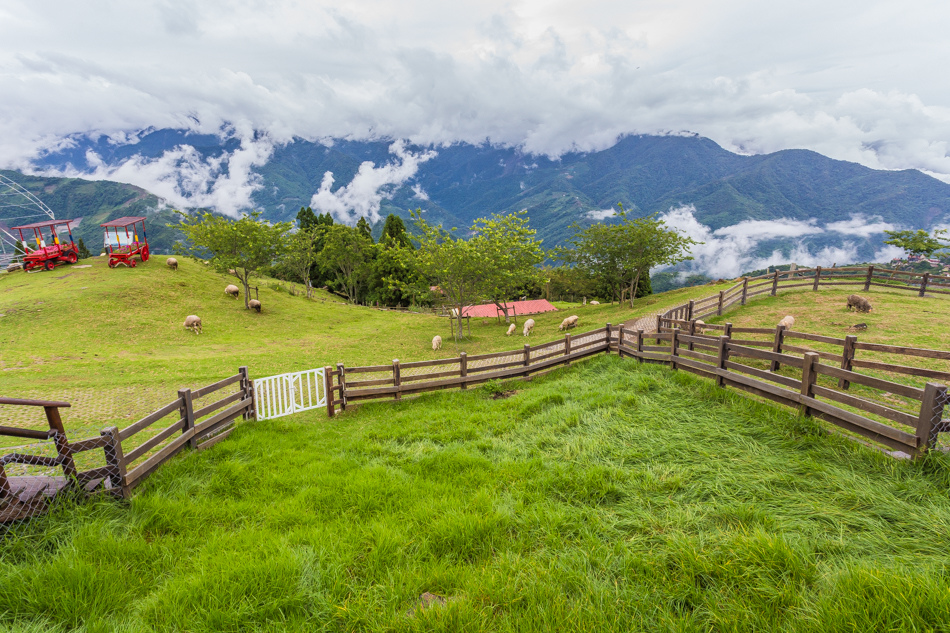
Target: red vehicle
point(48, 255)
point(122, 248)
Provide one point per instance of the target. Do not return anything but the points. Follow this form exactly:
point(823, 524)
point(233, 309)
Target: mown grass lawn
point(611, 496)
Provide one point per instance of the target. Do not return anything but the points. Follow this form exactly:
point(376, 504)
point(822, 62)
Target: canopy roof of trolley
point(42, 225)
point(122, 222)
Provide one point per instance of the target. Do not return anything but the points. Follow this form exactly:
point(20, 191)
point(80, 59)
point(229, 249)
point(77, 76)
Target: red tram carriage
point(122, 248)
point(48, 255)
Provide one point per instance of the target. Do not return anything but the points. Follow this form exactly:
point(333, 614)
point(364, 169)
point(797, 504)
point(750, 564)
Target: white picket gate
point(276, 396)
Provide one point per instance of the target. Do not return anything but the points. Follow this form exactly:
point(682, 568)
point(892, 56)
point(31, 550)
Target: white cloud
point(362, 196)
point(857, 84)
point(603, 214)
point(729, 251)
point(184, 178)
point(419, 193)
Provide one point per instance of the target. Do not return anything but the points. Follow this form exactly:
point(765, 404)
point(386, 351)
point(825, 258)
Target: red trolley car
point(122, 248)
point(48, 255)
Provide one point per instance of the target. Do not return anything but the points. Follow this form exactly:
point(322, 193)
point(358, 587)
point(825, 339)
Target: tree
point(619, 254)
point(300, 254)
point(394, 232)
point(507, 245)
point(235, 247)
point(83, 251)
point(364, 228)
point(346, 254)
point(918, 242)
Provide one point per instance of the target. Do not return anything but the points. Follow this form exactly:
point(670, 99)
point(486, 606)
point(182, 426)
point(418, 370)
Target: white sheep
point(511, 330)
point(193, 323)
point(568, 323)
point(699, 326)
point(595, 303)
point(172, 263)
point(528, 326)
point(254, 304)
point(232, 291)
point(788, 322)
point(436, 343)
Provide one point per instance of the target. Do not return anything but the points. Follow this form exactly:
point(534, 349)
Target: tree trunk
point(246, 282)
point(633, 287)
point(503, 309)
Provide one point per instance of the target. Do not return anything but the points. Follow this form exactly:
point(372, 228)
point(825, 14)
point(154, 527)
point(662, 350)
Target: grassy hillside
point(612, 496)
point(112, 343)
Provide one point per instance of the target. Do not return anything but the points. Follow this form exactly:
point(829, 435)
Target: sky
point(854, 80)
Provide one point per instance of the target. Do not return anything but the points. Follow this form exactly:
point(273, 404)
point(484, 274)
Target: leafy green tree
point(507, 246)
point(83, 251)
point(364, 228)
point(346, 254)
point(236, 247)
point(619, 254)
point(394, 231)
point(300, 254)
point(918, 242)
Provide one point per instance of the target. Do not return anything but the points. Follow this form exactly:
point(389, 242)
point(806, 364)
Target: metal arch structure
point(14, 196)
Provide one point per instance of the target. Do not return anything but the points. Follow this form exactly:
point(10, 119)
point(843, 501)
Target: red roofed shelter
point(535, 306)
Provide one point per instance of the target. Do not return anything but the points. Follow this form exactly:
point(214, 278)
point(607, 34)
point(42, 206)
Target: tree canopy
point(918, 242)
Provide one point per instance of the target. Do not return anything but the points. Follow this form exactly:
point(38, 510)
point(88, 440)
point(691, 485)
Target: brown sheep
point(193, 323)
point(232, 291)
point(254, 304)
point(859, 303)
point(172, 263)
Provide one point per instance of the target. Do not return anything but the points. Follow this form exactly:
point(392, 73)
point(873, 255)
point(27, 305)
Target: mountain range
point(457, 183)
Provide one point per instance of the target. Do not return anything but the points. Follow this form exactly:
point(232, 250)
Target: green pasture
point(611, 496)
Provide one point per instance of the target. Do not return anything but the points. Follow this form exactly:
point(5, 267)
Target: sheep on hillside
point(528, 326)
point(232, 291)
point(568, 323)
point(699, 326)
point(511, 330)
point(787, 322)
point(172, 263)
point(436, 343)
point(254, 304)
point(193, 323)
point(859, 303)
point(595, 303)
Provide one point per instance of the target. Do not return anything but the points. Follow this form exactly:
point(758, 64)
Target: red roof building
point(535, 306)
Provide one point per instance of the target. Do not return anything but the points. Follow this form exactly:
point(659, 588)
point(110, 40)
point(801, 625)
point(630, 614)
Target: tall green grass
point(611, 497)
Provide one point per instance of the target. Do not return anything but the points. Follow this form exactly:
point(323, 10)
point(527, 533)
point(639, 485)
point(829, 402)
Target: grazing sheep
point(788, 322)
point(193, 323)
point(232, 290)
point(172, 263)
point(511, 330)
point(859, 303)
point(699, 326)
point(254, 304)
point(568, 323)
point(528, 326)
point(436, 343)
point(595, 303)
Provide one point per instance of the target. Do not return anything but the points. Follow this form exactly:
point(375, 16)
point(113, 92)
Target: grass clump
point(613, 496)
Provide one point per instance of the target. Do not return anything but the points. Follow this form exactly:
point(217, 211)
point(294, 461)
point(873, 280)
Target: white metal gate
point(281, 395)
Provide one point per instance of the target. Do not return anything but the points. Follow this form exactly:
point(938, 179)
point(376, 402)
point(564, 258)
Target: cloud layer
point(733, 250)
point(855, 80)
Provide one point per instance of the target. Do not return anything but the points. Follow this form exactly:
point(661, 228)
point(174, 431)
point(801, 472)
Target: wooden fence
point(903, 417)
point(859, 276)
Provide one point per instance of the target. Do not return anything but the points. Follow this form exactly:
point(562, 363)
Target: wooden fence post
point(722, 356)
point(692, 332)
point(727, 330)
point(187, 411)
point(923, 285)
point(745, 290)
point(342, 379)
point(527, 358)
point(397, 380)
point(847, 356)
point(115, 459)
point(620, 342)
point(328, 389)
point(817, 278)
point(777, 346)
point(62, 443)
point(640, 346)
point(809, 376)
point(567, 346)
point(689, 310)
point(463, 368)
point(247, 388)
point(931, 415)
point(867, 282)
point(775, 283)
point(674, 343)
point(719, 309)
point(608, 338)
